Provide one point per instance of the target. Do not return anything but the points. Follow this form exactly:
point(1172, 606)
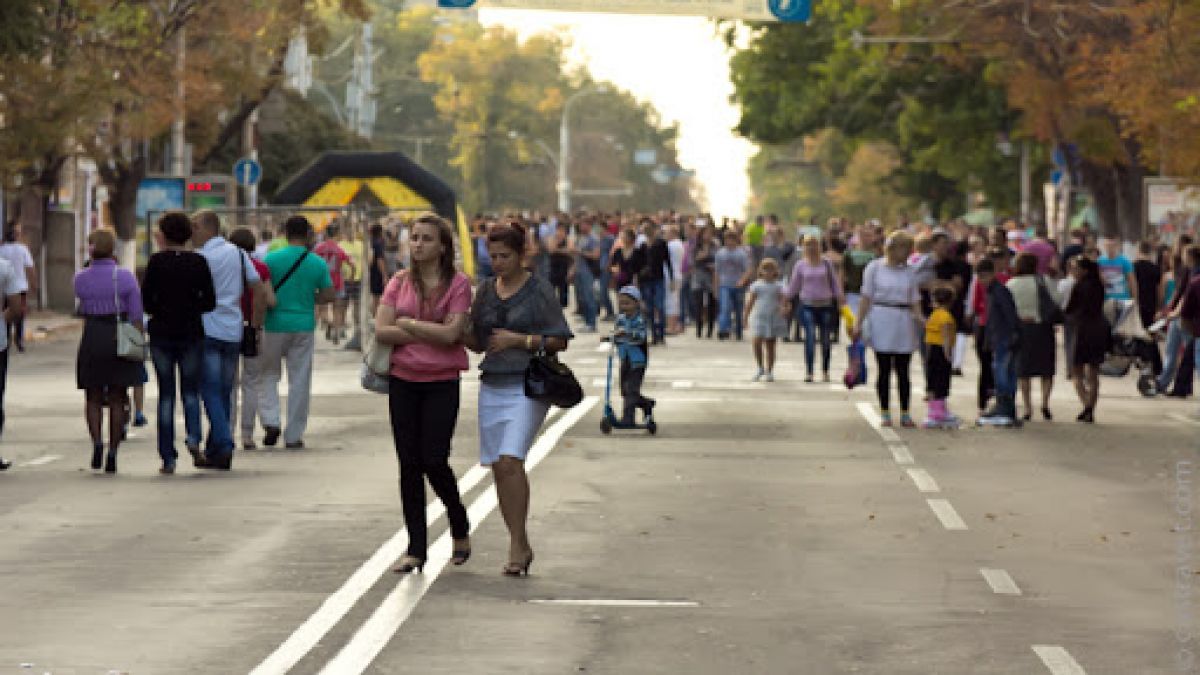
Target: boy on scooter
point(630, 337)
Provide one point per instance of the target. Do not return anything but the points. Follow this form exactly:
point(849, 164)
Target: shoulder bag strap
point(290, 272)
point(117, 290)
point(833, 289)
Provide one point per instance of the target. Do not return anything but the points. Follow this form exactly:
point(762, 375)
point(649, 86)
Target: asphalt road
point(767, 528)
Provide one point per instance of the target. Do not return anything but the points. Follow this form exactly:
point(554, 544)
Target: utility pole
point(1026, 188)
point(564, 147)
point(178, 161)
point(360, 89)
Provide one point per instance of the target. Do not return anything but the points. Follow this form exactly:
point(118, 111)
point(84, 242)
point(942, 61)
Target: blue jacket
point(1003, 325)
point(631, 343)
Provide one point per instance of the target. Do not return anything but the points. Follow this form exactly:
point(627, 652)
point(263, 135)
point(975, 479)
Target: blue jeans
point(169, 355)
point(731, 301)
point(817, 320)
point(685, 301)
point(219, 365)
point(1004, 368)
point(1175, 339)
point(585, 294)
point(654, 294)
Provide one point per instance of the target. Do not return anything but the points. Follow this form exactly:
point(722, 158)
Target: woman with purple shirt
point(819, 286)
point(104, 292)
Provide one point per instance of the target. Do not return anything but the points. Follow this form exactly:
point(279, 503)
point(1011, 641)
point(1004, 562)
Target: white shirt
point(12, 282)
point(17, 254)
point(225, 263)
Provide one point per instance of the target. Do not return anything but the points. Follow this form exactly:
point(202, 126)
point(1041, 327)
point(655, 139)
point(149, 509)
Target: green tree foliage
point(793, 80)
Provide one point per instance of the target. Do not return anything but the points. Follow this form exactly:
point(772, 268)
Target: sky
point(678, 64)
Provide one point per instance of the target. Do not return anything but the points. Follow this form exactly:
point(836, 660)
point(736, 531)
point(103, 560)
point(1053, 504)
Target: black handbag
point(249, 347)
point(1048, 310)
point(550, 381)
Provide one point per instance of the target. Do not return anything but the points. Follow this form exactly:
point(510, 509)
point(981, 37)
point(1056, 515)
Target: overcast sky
point(680, 65)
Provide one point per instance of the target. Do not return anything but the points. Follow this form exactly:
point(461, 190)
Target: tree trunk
point(122, 183)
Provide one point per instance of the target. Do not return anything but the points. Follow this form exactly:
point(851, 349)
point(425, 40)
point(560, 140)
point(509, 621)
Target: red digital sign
point(200, 187)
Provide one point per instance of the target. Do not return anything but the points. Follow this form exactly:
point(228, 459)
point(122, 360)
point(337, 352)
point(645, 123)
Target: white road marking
point(923, 481)
point(373, 636)
point(603, 347)
point(44, 459)
point(1000, 581)
point(599, 382)
point(946, 513)
point(617, 603)
point(1058, 660)
point(587, 362)
point(1186, 419)
point(838, 387)
point(683, 384)
point(868, 412)
point(889, 435)
point(340, 602)
point(901, 454)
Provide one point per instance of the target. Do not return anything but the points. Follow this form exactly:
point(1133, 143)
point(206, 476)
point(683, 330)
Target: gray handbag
point(131, 342)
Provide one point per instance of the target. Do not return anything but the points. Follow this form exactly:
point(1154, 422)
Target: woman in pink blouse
point(104, 292)
point(422, 314)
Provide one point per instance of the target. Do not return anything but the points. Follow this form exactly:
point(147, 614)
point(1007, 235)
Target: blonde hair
point(898, 247)
point(767, 265)
point(103, 243)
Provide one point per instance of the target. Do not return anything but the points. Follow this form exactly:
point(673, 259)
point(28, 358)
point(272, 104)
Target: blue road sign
point(455, 4)
point(791, 10)
point(247, 172)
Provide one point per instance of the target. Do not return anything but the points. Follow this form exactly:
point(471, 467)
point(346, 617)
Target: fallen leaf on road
point(1103, 537)
point(871, 517)
point(989, 516)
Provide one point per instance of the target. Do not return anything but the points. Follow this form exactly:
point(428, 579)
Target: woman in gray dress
point(515, 315)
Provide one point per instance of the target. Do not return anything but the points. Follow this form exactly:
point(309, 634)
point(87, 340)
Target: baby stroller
point(1131, 346)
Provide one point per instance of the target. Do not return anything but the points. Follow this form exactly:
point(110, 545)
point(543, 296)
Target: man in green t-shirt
point(301, 282)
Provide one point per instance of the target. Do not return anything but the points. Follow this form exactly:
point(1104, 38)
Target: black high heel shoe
point(1046, 414)
point(1086, 416)
point(97, 456)
point(460, 556)
point(516, 569)
point(110, 465)
point(409, 564)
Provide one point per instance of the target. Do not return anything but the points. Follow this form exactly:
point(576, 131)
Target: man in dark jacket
point(1002, 335)
point(654, 277)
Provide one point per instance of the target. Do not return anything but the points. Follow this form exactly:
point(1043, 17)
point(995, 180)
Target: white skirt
point(508, 421)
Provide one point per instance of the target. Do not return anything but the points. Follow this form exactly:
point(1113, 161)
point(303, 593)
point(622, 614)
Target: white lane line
point(44, 459)
point(602, 347)
point(1058, 660)
point(587, 362)
point(923, 481)
point(946, 513)
point(868, 412)
point(338, 604)
point(1000, 581)
point(599, 382)
point(616, 603)
point(889, 435)
point(838, 387)
point(374, 635)
point(683, 384)
point(901, 454)
point(1180, 417)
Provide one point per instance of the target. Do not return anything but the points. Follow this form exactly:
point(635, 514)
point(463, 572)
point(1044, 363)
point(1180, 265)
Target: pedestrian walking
point(1003, 335)
point(674, 274)
point(815, 282)
point(655, 280)
point(336, 259)
point(1038, 346)
point(232, 273)
point(104, 294)
point(250, 374)
point(1085, 311)
point(423, 315)
point(765, 312)
point(627, 260)
point(587, 271)
point(17, 254)
point(940, 336)
point(562, 263)
point(378, 268)
point(300, 281)
point(703, 281)
point(733, 271)
point(177, 291)
point(12, 280)
point(1188, 312)
point(888, 313)
point(513, 316)
point(1177, 366)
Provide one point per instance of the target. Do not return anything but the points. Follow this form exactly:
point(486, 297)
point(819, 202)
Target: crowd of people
point(913, 289)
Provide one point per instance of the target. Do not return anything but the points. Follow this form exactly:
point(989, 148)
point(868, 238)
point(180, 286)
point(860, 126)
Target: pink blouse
point(423, 362)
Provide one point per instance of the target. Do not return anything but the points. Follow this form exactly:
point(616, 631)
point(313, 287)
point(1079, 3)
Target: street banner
point(747, 10)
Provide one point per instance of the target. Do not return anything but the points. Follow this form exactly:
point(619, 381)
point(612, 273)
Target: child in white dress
point(765, 317)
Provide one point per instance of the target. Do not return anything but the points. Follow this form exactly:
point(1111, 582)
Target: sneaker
point(295, 445)
point(957, 372)
point(139, 420)
point(907, 422)
point(759, 375)
point(271, 437)
point(885, 419)
point(770, 377)
point(4, 464)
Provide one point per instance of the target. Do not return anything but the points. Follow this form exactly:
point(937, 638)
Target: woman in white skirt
point(677, 250)
point(515, 314)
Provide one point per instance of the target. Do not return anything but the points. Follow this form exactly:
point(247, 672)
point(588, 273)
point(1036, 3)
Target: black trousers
point(883, 386)
point(423, 416)
point(3, 384)
point(987, 380)
point(704, 308)
point(1186, 372)
point(631, 390)
point(938, 371)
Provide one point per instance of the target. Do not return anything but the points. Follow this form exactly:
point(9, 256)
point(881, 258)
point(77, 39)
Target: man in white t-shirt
point(10, 286)
point(17, 254)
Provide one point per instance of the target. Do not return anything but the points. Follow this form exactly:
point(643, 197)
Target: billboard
point(1172, 208)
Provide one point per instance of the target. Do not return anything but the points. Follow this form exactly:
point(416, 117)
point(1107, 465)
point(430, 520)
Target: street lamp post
point(564, 147)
